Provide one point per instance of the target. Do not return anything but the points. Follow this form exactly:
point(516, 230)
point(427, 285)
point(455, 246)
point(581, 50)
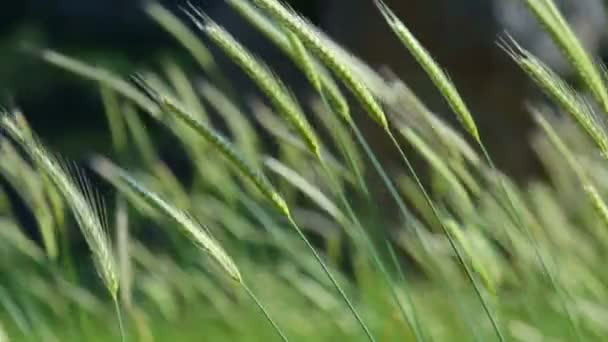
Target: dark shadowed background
point(461, 34)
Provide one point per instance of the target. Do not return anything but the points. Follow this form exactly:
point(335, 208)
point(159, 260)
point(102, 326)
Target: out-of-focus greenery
point(469, 254)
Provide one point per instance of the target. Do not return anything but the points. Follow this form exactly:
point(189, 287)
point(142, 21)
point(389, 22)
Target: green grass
point(296, 244)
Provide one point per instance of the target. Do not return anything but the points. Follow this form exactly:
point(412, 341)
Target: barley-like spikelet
point(85, 204)
point(316, 73)
point(563, 94)
point(333, 59)
point(554, 23)
point(318, 77)
point(226, 149)
point(186, 223)
point(438, 76)
point(231, 154)
point(275, 90)
point(304, 60)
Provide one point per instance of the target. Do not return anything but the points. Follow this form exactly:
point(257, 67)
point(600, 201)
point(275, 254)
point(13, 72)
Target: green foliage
point(469, 254)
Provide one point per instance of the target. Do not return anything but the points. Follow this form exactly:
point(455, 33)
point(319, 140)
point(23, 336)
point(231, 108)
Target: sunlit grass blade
point(185, 36)
point(102, 76)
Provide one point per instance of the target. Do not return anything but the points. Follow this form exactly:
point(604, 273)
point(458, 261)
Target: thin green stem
point(405, 212)
point(123, 336)
point(373, 251)
point(332, 279)
point(512, 210)
point(408, 295)
point(451, 241)
point(265, 312)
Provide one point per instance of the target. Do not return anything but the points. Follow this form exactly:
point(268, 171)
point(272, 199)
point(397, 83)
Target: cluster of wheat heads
point(472, 254)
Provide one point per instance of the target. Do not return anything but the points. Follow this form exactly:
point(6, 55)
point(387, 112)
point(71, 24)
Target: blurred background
point(462, 35)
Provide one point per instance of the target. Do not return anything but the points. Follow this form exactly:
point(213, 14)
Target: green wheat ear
point(561, 93)
point(434, 71)
point(185, 222)
point(84, 202)
point(293, 47)
point(224, 147)
point(555, 24)
point(314, 40)
point(283, 101)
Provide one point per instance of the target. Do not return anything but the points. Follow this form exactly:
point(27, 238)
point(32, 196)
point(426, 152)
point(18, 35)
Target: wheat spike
point(86, 205)
point(333, 59)
point(185, 222)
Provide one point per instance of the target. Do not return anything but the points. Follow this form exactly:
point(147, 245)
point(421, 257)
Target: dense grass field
point(290, 227)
